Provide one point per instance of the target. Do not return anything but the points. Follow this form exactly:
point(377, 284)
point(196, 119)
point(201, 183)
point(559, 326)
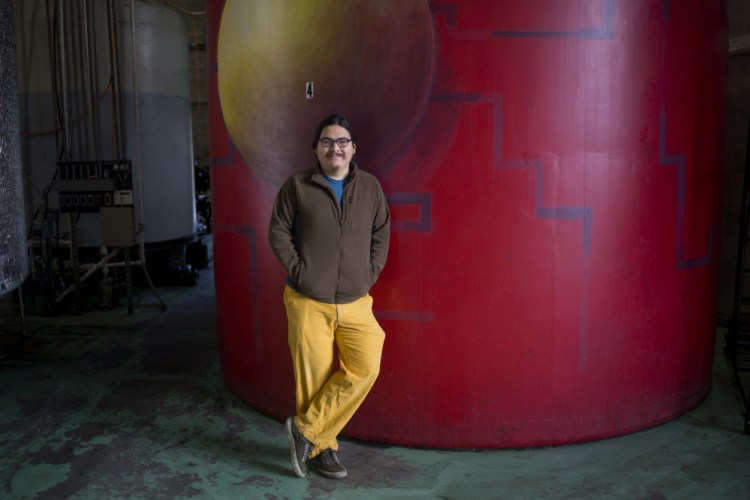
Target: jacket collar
point(320, 177)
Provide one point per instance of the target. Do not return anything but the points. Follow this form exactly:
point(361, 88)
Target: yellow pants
point(328, 397)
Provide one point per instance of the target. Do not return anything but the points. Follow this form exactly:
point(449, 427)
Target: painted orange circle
point(370, 61)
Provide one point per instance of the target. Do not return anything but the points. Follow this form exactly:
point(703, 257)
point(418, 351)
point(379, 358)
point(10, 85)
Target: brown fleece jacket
point(331, 254)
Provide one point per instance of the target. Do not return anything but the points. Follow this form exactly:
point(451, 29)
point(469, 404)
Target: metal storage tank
point(13, 259)
point(553, 171)
point(156, 134)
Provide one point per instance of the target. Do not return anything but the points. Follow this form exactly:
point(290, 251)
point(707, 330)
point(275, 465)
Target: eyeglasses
point(341, 142)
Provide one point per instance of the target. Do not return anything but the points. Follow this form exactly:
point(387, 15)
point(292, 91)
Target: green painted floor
point(105, 405)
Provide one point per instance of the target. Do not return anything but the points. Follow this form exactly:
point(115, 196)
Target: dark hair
point(334, 120)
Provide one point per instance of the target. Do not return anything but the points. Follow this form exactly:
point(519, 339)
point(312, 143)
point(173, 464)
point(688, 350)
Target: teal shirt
point(338, 187)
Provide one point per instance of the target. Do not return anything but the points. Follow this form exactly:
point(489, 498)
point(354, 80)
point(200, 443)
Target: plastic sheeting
point(12, 227)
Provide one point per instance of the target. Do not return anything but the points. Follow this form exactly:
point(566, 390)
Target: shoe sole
point(290, 436)
point(333, 475)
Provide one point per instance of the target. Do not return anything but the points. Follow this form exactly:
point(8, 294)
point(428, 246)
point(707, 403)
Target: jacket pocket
point(298, 272)
point(373, 275)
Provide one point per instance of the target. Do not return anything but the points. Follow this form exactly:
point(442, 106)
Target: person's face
point(334, 159)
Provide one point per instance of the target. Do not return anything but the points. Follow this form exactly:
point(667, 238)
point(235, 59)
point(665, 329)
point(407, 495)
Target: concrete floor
point(105, 405)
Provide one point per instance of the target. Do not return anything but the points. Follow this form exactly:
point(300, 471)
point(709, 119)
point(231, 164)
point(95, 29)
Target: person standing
point(330, 229)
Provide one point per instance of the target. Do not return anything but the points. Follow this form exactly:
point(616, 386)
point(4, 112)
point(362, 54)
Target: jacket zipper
point(340, 207)
point(341, 238)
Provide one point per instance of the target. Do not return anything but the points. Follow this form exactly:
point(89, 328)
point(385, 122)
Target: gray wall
point(737, 115)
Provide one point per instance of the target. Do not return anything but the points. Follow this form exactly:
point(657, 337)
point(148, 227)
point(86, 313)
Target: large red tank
point(553, 171)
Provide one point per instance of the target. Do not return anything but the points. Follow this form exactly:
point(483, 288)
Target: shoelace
point(331, 456)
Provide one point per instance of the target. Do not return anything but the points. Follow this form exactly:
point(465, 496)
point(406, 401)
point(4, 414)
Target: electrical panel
point(117, 226)
point(88, 186)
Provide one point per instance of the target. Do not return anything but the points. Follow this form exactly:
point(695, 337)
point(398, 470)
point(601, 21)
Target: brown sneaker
point(329, 464)
point(300, 448)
